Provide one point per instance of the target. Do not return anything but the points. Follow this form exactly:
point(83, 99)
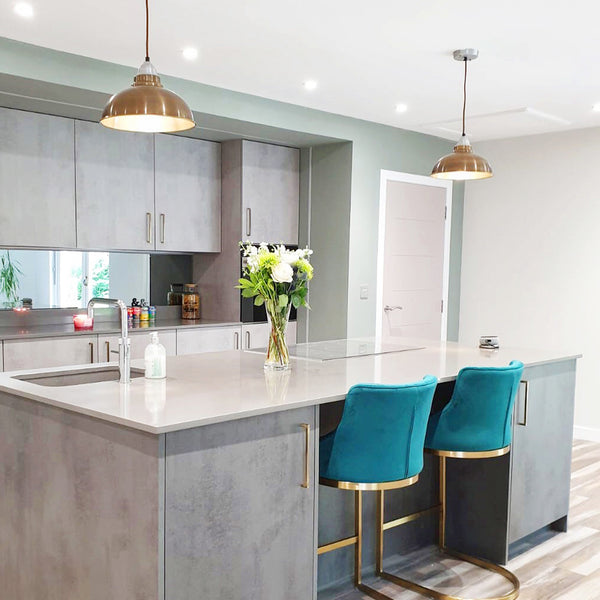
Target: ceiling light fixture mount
point(463, 164)
point(147, 106)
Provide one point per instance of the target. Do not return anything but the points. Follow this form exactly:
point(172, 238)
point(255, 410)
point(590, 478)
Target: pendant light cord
point(147, 20)
point(464, 97)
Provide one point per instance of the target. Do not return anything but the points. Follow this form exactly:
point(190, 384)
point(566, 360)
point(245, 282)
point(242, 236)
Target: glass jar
point(175, 294)
point(190, 302)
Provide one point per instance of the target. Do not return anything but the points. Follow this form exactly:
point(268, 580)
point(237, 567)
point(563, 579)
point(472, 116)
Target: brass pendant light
point(463, 164)
point(147, 106)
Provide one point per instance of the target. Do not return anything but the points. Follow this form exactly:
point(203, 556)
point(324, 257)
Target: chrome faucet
point(124, 341)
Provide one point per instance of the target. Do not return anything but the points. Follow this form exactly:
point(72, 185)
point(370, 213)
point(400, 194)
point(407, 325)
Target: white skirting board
point(586, 433)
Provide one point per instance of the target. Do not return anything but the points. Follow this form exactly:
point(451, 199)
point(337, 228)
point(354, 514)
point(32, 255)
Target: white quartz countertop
point(201, 389)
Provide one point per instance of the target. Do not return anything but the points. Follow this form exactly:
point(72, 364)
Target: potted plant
point(9, 280)
point(278, 278)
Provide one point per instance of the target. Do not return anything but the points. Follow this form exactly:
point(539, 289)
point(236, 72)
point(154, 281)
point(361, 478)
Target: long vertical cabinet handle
point(162, 228)
point(149, 227)
point(247, 340)
point(248, 222)
point(236, 338)
point(92, 352)
point(306, 482)
point(524, 423)
point(107, 344)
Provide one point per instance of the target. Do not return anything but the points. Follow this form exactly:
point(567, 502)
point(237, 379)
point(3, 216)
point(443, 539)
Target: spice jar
point(190, 302)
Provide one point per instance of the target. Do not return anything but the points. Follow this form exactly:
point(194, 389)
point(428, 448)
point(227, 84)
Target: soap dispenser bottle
point(155, 358)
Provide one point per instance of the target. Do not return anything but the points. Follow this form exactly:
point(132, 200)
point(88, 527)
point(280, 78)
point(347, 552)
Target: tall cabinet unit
point(260, 202)
point(270, 193)
point(188, 194)
point(37, 180)
point(115, 188)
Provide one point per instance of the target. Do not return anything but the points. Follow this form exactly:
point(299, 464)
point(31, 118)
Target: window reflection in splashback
point(66, 279)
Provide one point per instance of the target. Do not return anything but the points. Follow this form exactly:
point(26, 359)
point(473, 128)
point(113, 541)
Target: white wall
point(531, 254)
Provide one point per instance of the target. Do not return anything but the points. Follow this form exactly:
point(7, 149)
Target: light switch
point(364, 292)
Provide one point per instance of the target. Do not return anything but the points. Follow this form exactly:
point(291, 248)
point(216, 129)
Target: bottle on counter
point(190, 303)
point(155, 358)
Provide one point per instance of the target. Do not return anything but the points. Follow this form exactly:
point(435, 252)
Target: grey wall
point(374, 147)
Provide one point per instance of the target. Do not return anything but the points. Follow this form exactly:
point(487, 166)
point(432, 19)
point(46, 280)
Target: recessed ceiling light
point(596, 107)
point(401, 108)
point(24, 9)
point(190, 53)
point(310, 84)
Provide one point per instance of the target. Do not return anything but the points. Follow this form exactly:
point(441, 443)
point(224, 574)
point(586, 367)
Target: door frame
point(419, 180)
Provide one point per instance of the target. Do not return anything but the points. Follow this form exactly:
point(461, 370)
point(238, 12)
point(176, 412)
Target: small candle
point(83, 322)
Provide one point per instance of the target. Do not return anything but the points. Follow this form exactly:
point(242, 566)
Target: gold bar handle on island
point(148, 227)
point(526, 409)
point(306, 482)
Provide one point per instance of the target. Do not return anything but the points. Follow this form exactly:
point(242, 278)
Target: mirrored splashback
point(68, 279)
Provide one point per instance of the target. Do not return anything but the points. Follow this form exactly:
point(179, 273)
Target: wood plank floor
point(566, 566)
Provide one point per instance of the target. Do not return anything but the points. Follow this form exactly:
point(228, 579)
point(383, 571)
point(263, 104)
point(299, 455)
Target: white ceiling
point(538, 66)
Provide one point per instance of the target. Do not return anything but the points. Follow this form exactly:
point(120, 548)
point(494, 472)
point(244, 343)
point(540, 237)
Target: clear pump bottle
point(155, 358)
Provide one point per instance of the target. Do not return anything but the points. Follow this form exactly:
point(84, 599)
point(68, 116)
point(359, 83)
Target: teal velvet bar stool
point(377, 446)
point(475, 424)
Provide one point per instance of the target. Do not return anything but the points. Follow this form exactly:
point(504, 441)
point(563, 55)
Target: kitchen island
point(203, 485)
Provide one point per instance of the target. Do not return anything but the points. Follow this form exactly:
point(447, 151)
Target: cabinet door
point(255, 335)
point(49, 352)
point(208, 339)
point(188, 194)
point(541, 448)
point(270, 193)
point(37, 180)
point(108, 345)
point(115, 188)
point(238, 523)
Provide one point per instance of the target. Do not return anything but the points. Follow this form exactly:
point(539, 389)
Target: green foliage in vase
point(9, 278)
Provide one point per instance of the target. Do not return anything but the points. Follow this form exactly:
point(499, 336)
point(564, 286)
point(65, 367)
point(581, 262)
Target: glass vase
point(278, 358)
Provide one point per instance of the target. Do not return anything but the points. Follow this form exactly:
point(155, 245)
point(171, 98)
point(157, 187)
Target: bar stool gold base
point(382, 526)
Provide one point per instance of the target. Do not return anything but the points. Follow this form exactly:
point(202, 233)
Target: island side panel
point(79, 506)
point(239, 524)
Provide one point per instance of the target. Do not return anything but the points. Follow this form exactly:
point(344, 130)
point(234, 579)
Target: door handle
point(526, 409)
point(306, 479)
point(92, 352)
point(236, 338)
point(387, 308)
point(248, 222)
point(149, 228)
point(162, 228)
point(247, 340)
point(107, 344)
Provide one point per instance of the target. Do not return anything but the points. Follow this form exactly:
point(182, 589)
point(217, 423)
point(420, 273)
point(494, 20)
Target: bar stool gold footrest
point(425, 591)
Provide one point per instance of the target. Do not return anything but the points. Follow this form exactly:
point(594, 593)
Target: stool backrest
point(382, 432)
point(479, 414)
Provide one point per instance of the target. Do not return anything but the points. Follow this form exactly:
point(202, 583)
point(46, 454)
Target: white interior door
point(413, 269)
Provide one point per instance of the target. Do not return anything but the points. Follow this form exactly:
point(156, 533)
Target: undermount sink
point(66, 378)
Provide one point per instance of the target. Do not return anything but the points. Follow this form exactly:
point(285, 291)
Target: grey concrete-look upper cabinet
point(115, 188)
point(270, 193)
point(188, 194)
point(37, 180)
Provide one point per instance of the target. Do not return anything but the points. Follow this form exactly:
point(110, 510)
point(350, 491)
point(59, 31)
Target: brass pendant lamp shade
point(147, 106)
point(463, 164)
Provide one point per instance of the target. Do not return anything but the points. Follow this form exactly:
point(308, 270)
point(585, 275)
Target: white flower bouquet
point(278, 278)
